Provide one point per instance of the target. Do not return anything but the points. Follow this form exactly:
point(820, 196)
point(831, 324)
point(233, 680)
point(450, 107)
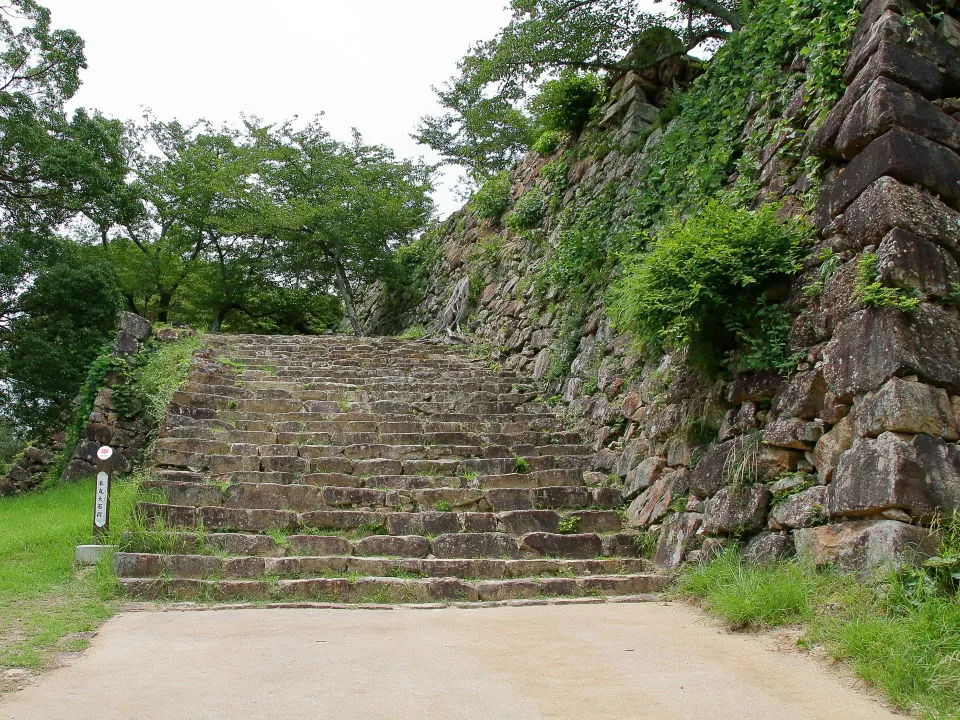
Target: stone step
point(365, 562)
point(388, 590)
point(360, 451)
point(301, 497)
point(538, 479)
point(278, 406)
point(368, 434)
point(188, 415)
point(514, 523)
point(617, 545)
point(411, 395)
point(220, 464)
point(338, 425)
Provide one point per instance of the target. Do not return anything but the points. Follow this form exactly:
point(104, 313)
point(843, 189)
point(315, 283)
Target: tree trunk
point(163, 307)
point(343, 287)
point(218, 320)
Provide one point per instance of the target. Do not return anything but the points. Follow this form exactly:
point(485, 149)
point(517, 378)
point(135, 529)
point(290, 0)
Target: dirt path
point(657, 661)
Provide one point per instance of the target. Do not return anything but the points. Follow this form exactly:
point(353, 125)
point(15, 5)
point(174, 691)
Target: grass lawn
point(900, 633)
point(46, 602)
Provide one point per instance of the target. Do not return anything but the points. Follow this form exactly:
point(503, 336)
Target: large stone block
point(736, 510)
point(678, 537)
point(888, 26)
point(802, 397)
point(908, 261)
point(654, 503)
point(900, 154)
point(830, 448)
point(767, 548)
point(643, 476)
point(887, 105)
point(866, 546)
point(890, 61)
point(803, 509)
point(711, 473)
point(873, 345)
point(136, 326)
point(917, 474)
point(905, 407)
point(888, 204)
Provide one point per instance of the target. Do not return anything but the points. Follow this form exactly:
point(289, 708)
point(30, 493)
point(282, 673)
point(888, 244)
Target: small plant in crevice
point(742, 465)
point(521, 465)
point(569, 524)
point(873, 293)
point(645, 543)
point(442, 506)
point(414, 332)
point(679, 503)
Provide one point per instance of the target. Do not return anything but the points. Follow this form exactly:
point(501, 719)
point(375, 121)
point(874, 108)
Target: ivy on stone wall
point(769, 86)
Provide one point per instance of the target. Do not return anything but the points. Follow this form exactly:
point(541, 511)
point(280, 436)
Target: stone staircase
point(345, 470)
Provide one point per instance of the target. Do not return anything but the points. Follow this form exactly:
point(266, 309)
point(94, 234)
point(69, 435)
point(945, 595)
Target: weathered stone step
point(220, 464)
point(368, 434)
point(277, 406)
point(537, 479)
point(374, 384)
point(412, 395)
point(617, 545)
point(308, 497)
point(347, 424)
point(392, 590)
point(438, 522)
point(188, 415)
point(172, 447)
point(365, 561)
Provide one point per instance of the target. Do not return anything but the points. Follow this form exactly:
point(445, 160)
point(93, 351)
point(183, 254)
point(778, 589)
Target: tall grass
point(900, 632)
point(44, 597)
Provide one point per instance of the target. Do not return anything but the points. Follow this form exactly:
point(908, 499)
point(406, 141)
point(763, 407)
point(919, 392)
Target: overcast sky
point(364, 63)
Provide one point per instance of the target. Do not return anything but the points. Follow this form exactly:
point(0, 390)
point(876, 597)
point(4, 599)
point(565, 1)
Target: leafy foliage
point(567, 103)
point(528, 211)
point(547, 143)
point(483, 129)
point(703, 281)
point(64, 318)
point(873, 293)
point(492, 199)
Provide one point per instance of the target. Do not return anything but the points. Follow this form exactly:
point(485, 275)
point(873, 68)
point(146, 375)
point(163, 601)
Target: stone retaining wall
point(850, 457)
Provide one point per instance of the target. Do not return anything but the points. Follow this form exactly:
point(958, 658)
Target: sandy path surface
point(648, 660)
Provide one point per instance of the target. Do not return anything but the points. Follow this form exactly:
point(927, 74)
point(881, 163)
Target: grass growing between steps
point(900, 633)
point(46, 602)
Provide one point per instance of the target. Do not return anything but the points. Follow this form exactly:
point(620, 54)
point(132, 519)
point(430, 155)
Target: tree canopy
point(252, 227)
point(484, 127)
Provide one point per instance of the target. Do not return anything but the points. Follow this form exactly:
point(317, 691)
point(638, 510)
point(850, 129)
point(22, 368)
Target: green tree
point(339, 209)
point(483, 129)
point(63, 319)
point(178, 210)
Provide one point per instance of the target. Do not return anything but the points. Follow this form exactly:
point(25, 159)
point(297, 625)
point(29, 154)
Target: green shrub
point(521, 465)
point(528, 211)
point(493, 197)
point(701, 286)
point(548, 142)
point(567, 103)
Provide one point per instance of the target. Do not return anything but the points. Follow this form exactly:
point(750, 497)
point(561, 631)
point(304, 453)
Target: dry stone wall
point(850, 457)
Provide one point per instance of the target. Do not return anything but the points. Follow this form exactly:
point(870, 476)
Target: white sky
point(365, 63)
